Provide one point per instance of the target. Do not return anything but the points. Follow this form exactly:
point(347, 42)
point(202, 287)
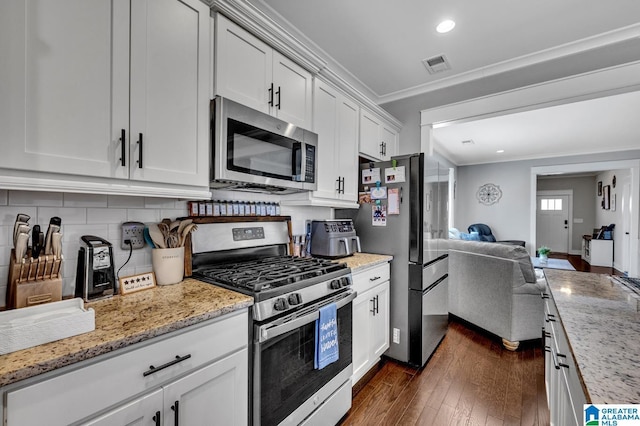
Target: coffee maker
point(95, 277)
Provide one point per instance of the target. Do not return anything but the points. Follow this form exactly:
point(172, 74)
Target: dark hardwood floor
point(470, 380)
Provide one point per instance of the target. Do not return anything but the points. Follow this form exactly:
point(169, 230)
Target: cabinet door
point(390, 142)
point(380, 320)
point(293, 92)
point(325, 116)
point(361, 353)
point(243, 66)
point(347, 147)
point(145, 410)
point(64, 84)
point(216, 394)
point(169, 91)
point(370, 138)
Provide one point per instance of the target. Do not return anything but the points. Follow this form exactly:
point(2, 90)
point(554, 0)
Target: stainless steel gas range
point(253, 258)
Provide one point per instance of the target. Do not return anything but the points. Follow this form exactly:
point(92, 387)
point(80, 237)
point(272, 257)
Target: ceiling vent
point(468, 142)
point(436, 64)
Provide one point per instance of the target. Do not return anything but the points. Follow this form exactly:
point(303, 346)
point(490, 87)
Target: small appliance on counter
point(334, 238)
point(95, 276)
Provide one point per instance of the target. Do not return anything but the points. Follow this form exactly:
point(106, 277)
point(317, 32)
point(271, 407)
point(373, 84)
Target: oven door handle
point(269, 331)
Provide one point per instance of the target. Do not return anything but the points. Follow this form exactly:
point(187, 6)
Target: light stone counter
point(601, 319)
point(124, 320)
point(361, 261)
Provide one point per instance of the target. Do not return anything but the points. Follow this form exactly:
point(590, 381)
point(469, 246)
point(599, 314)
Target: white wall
point(102, 215)
point(607, 217)
point(510, 218)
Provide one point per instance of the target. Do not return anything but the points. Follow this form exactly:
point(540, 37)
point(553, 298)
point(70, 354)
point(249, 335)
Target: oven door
point(284, 373)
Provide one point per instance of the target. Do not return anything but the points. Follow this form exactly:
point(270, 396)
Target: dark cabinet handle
point(156, 418)
point(279, 93)
point(176, 410)
point(381, 151)
point(153, 369)
point(140, 151)
point(377, 304)
point(545, 295)
point(340, 181)
point(551, 318)
point(384, 148)
point(123, 140)
point(373, 306)
point(271, 95)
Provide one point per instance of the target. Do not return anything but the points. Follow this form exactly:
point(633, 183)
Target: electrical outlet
point(133, 231)
point(396, 335)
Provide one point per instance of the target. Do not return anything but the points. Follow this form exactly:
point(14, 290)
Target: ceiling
point(496, 45)
point(594, 126)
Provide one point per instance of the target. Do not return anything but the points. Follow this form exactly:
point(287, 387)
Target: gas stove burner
point(270, 272)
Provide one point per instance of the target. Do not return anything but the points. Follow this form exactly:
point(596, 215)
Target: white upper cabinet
point(170, 48)
point(378, 140)
point(336, 123)
point(76, 75)
point(64, 80)
point(250, 72)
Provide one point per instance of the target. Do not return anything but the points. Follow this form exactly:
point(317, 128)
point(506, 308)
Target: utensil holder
point(168, 265)
point(34, 282)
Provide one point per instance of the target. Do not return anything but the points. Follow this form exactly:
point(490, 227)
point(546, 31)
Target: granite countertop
point(601, 319)
point(360, 261)
point(125, 320)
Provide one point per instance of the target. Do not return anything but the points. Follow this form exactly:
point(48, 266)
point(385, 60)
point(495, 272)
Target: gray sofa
point(494, 286)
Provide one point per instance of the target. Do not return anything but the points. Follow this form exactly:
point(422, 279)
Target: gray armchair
point(494, 287)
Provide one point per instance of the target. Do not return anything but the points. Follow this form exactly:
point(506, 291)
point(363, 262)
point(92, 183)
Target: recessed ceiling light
point(500, 151)
point(445, 26)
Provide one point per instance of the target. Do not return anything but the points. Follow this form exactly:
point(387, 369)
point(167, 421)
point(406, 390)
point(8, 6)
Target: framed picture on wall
point(599, 188)
point(606, 201)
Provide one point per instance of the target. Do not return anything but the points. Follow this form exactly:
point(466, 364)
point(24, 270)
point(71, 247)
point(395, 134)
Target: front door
point(552, 227)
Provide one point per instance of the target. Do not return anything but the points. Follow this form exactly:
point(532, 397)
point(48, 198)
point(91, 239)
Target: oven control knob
point(280, 304)
point(345, 281)
point(335, 284)
point(294, 299)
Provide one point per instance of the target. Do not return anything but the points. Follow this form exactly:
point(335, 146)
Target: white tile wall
point(102, 215)
point(82, 214)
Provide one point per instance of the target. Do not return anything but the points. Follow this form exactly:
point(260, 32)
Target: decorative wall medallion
point(489, 194)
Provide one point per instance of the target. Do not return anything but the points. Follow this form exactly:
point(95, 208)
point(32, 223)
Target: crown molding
point(580, 46)
point(264, 27)
point(257, 22)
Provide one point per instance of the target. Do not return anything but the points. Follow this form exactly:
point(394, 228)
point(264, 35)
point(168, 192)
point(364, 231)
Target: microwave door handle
point(267, 331)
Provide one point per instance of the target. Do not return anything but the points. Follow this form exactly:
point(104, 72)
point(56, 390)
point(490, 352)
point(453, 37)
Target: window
point(551, 204)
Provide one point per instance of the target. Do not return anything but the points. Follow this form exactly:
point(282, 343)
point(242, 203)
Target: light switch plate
point(133, 231)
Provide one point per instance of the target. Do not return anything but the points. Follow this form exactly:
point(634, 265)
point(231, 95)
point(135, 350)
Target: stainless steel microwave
point(254, 151)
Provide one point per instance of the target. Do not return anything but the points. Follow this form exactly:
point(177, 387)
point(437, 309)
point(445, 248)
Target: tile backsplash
point(102, 215)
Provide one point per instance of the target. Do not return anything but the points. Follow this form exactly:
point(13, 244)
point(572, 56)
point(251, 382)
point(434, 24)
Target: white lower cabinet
point(370, 319)
point(565, 395)
point(195, 376)
point(208, 394)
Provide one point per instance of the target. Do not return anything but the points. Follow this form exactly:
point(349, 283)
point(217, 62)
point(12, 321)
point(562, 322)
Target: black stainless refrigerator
point(404, 213)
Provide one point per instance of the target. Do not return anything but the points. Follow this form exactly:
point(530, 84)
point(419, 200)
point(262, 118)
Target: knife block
point(33, 283)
